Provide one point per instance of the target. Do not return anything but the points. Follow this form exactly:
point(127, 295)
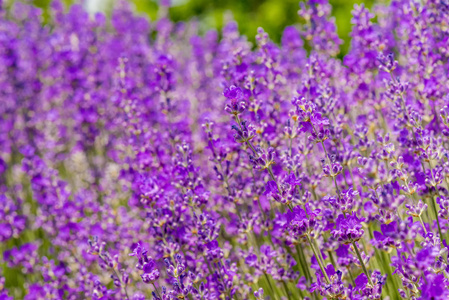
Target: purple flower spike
point(167, 161)
point(348, 229)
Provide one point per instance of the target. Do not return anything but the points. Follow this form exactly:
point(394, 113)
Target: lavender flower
point(348, 229)
point(152, 160)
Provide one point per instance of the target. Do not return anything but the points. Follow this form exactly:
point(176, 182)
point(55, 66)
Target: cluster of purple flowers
point(143, 160)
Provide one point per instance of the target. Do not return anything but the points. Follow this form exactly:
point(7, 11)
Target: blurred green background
point(272, 15)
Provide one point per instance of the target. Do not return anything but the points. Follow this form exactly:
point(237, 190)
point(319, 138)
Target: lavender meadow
point(144, 160)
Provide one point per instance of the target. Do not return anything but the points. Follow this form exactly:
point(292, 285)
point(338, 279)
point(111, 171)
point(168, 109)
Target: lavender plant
point(143, 160)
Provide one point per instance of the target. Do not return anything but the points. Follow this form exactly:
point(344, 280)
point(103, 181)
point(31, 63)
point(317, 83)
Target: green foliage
point(272, 15)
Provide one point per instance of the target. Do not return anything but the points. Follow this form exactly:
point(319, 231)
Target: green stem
point(422, 224)
point(269, 283)
point(274, 178)
point(317, 256)
point(359, 256)
point(237, 119)
point(350, 275)
point(319, 252)
point(303, 261)
point(330, 166)
point(157, 292)
point(302, 266)
point(286, 290)
point(332, 259)
point(434, 206)
point(122, 284)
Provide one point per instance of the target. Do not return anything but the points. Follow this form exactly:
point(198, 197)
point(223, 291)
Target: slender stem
point(332, 259)
point(208, 266)
point(447, 183)
point(346, 180)
point(350, 275)
point(301, 296)
point(434, 206)
point(237, 119)
point(157, 291)
point(362, 263)
point(122, 284)
point(286, 290)
point(352, 177)
point(330, 166)
point(317, 256)
point(336, 186)
point(303, 262)
point(290, 147)
point(264, 217)
point(422, 224)
point(319, 252)
point(269, 283)
point(251, 146)
point(273, 178)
